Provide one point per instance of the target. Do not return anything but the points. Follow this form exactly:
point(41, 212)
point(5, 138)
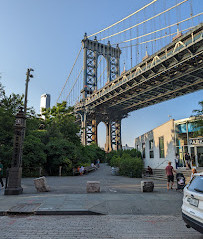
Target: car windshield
point(196, 184)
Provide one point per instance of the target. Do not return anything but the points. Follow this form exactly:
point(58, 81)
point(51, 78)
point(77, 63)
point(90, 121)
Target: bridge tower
point(90, 119)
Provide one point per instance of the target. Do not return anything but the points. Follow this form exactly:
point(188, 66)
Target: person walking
point(177, 161)
point(170, 177)
point(82, 170)
point(1, 174)
point(187, 160)
point(193, 173)
point(98, 162)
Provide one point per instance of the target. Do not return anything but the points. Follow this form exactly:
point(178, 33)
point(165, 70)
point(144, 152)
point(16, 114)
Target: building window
point(151, 148)
point(161, 147)
point(137, 147)
point(143, 150)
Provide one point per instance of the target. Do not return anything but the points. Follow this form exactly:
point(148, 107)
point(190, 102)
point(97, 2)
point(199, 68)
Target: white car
point(192, 208)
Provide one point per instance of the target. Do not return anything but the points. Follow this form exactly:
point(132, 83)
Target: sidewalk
point(119, 196)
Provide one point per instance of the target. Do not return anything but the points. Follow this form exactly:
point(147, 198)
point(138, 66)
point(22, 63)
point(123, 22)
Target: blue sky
point(46, 35)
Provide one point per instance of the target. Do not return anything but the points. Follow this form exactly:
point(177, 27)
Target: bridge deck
point(175, 70)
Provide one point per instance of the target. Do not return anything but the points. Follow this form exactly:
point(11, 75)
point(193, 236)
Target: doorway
point(200, 156)
point(196, 153)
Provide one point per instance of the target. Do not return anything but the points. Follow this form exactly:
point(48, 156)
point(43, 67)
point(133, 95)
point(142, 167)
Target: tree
point(2, 92)
point(48, 143)
point(8, 108)
point(33, 154)
point(199, 120)
point(60, 121)
point(93, 152)
point(60, 152)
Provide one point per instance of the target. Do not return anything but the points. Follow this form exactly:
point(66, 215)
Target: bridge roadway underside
point(175, 70)
point(161, 85)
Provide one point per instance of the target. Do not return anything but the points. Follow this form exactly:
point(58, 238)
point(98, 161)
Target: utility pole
point(15, 172)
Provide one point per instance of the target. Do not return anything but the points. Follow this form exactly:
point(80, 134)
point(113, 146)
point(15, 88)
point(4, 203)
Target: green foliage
point(34, 156)
point(199, 120)
point(60, 152)
point(59, 121)
point(131, 167)
point(48, 143)
point(115, 161)
point(113, 153)
point(93, 152)
point(129, 162)
point(8, 108)
point(134, 153)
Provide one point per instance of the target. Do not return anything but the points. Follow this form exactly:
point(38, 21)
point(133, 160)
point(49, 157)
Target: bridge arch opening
point(101, 71)
point(101, 135)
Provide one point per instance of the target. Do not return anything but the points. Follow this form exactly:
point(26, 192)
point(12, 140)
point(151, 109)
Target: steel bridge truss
point(92, 50)
point(175, 70)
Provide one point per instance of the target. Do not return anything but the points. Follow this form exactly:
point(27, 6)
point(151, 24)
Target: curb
point(50, 213)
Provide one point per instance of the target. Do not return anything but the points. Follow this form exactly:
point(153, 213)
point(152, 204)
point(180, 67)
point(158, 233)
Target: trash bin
point(113, 171)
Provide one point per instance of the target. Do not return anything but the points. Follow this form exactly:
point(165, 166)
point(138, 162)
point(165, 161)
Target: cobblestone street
point(94, 227)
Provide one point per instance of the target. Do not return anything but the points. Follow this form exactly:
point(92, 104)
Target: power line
point(124, 18)
point(159, 14)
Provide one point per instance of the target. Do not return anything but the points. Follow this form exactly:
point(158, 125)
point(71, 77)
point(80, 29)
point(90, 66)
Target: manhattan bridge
point(150, 56)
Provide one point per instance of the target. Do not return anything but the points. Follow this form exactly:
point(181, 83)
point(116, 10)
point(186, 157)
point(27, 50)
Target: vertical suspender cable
point(127, 29)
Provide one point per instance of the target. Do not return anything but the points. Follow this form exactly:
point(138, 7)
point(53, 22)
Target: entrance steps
point(160, 174)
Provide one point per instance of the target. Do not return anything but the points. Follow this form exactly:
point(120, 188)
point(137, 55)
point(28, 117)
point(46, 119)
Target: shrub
point(111, 154)
point(93, 152)
point(115, 161)
point(131, 167)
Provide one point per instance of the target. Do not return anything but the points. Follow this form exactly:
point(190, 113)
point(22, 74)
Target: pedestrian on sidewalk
point(170, 177)
point(98, 162)
point(149, 171)
point(82, 169)
point(1, 174)
point(193, 172)
point(177, 161)
point(93, 166)
point(187, 159)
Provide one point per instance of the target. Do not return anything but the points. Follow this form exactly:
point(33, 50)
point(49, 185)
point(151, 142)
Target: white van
point(192, 208)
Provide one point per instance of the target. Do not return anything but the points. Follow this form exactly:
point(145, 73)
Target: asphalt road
point(129, 213)
point(109, 183)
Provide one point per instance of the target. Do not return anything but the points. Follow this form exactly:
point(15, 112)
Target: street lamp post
point(29, 75)
point(15, 172)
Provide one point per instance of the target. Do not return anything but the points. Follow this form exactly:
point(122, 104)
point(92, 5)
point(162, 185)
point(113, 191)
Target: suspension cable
point(74, 83)
point(155, 39)
point(159, 14)
point(69, 74)
point(160, 29)
point(124, 18)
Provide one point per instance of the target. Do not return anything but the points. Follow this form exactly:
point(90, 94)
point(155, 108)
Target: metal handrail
point(161, 163)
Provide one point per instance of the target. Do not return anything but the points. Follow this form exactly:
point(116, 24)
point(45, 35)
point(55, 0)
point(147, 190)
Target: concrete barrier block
point(41, 184)
point(93, 186)
point(147, 186)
